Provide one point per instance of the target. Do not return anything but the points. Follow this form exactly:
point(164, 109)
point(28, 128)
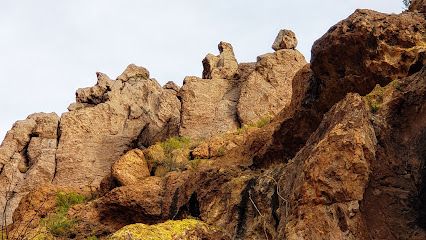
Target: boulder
point(132, 111)
point(286, 39)
point(366, 49)
point(224, 66)
point(27, 159)
point(130, 169)
point(209, 107)
point(268, 88)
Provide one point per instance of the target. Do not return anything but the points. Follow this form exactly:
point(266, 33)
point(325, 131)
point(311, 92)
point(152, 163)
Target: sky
point(50, 48)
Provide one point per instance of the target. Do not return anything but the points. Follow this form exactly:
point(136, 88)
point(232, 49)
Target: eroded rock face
point(397, 189)
point(368, 48)
point(268, 89)
point(286, 39)
point(328, 177)
point(27, 159)
point(130, 111)
point(209, 107)
point(418, 6)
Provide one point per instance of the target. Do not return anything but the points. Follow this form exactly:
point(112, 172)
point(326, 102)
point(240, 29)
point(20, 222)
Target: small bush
point(194, 163)
point(221, 152)
point(262, 122)
point(92, 238)
point(174, 143)
point(65, 201)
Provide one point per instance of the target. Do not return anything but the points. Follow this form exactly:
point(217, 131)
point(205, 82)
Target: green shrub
point(221, 152)
point(66, 201)
point(92, 238)
point(174, 143)
point(194, 163)
point(262, 122)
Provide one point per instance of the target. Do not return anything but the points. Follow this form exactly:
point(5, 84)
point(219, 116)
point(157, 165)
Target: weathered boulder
point(186, 229)
point(286, 39)
point(368, 48)
point(268, 89)
point(130, 169)
point(132, 111)
point(224, 66)
point(209, 107)
point(27, 159)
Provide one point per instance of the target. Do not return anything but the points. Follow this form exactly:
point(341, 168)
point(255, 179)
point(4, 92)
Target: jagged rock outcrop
point(27, 159)
point(366, 49)
point(418, 6)
point(130, 111)
point(224, 66)
point(286, 39)
point(209, 107)
point(268, 89)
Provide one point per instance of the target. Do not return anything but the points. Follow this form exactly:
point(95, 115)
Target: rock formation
point(338, 152)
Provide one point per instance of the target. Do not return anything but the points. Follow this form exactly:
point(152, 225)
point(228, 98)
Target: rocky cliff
point(275, 149)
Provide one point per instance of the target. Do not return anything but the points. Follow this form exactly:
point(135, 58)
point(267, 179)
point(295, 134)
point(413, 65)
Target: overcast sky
point(48, 49)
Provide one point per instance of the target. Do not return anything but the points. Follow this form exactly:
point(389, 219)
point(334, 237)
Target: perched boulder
point(366, 49)
point(268, 89)
point(27, 159)
point(131, 168)
point(286, 39)
point(224, 66)
point(209, 107)
point(132, 111)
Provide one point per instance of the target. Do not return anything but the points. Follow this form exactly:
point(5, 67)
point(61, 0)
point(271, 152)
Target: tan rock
point(286, 39)
point(224, 66)
point(27, 158)
point(208, 107)
point(131, 168)
point(418, 6)
point(135, 112)
point(268, 89)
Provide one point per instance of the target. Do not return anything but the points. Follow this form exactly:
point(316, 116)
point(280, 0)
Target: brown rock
point(268, 89)
point(135, 72)
point(418, 6)
point(131, 168)
point(365, 49)
point(329, 175)
point(286, 39)
point(133, 112)
point(171, 85)
point(224, 66)
point(27, 158)
point(209, 107)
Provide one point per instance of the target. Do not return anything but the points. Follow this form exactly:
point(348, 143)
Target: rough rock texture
point(131, 111)
point(186, 229)
point(224, 66)
point(327, 178)
point(418, 6)
point(394, 203)
point(286, 39)
point(130, 169)
point(209, 107)
point(27, 159)
point(268, 90)
point(368, 48)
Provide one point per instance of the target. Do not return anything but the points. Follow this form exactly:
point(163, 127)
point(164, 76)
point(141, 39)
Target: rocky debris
point(418, 6)
point(131, 111)
point(224, 66)
point(27, 159)
point(130, 169)
point(268, 89)
point(397, 186)
point(209, 107)
point(327, 178)
point(286, 39)
point(186, 229)
point(366, 49)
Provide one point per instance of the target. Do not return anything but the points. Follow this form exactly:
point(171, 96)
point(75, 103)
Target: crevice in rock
point(417, 66)
point(194, 206)
point(275, 205)
point(173, 211)
point(242, 209)
point(58, 137)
